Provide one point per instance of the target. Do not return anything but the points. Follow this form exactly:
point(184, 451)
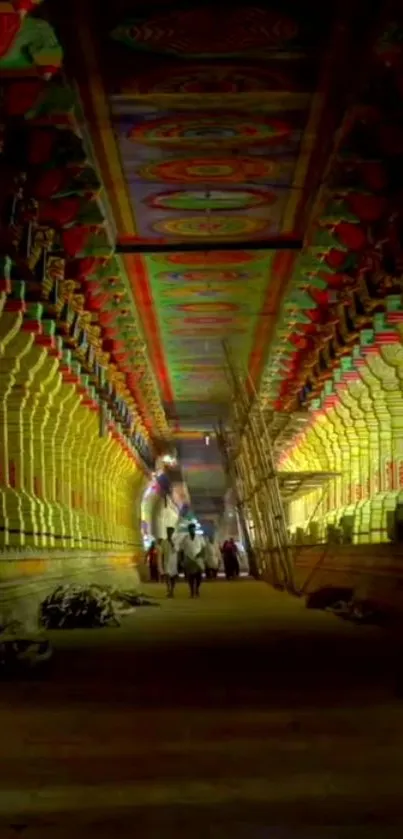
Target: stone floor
point(242, 714)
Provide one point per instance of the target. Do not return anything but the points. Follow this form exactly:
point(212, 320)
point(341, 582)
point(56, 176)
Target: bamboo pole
point(253, 464)
point(279, 520)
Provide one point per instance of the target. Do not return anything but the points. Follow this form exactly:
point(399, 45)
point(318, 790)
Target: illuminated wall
point(356, 430)
point(69, 498)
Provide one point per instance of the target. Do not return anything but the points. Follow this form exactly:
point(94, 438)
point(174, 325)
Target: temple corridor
point(201, 368)
point(219, 717)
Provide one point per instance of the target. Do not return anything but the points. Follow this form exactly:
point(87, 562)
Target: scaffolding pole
point(251, 469)
point(230, 469)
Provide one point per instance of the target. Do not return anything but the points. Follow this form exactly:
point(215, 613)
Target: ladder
point(249, 459)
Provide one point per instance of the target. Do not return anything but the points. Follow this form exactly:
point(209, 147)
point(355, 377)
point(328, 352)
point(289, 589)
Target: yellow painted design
point(360, 436)
point(20, 436)
point(62, 486)
point(16, 345)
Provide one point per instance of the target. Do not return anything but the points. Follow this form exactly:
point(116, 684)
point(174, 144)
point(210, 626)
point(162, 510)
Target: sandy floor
point(241, 715)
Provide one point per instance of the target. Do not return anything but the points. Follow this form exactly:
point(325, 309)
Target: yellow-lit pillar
point(80, 435)
point(357, 434)
point(106, 458)
point(100, 443)
point(387, 405)
point(334, 428)
point(65, 450)
point(42, 446)
point(86, 452)
point(14, 344)
point(20, 437)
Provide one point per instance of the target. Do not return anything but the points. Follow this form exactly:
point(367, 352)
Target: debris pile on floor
point(78, 607)
point(362, 612)
point(328, 596)
point(89, 607)
point(342, 602)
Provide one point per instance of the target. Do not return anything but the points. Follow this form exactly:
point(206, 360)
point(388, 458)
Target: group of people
point(193, 556)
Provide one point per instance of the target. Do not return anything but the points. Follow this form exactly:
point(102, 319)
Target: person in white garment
point(193, 548)
point(170, 561)
point(212, 557)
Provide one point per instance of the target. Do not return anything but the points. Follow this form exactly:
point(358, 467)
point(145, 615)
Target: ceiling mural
point(210, 79)
point(216, 175)
point(208, 125)
point(209, 31)
point(192, 302)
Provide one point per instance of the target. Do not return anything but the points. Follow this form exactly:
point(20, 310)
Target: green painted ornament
point(90, 213)
point(394, 303)
point(380, 323)
point(367, 338)
point(337, 211)
point(56, 105)
point(35, 45)
point(301, 299)
point(325, 240)
point(346, 364)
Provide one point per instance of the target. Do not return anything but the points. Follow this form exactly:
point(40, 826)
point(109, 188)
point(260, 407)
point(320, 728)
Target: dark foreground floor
point(239, 715)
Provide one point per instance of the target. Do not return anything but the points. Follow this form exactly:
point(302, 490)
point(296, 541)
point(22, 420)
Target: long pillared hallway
point(201, 338)
point(221, 716)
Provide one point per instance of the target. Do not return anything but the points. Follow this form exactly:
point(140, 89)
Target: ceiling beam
point(280, 243)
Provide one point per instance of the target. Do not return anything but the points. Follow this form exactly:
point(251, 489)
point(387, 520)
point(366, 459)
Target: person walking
point(152, 559)
point(193, 559)
point(230, 557)
point(212, 559)
point(159, 558)
point(170, 561)
point(235, 559)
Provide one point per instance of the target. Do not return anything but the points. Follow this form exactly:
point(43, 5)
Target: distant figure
point(212, 557)
point(152, 559)
point(193, 559)
point(235, 558)
point(159, 558)
point(230, 556)
point(170, 561)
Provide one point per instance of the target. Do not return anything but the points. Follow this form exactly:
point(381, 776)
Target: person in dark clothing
point(230, 557)
point(235, 559)
point(152, 559)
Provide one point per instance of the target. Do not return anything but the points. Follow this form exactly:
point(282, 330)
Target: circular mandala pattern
point(210, 169)
point(217, 80)
point(207, 321)
point(207, 330)
point(205, 276)
point(206, 308)
point(205, 130)
point(213, 258)
point(214, 199)
point(199, 32)
point(198, 291)
point(211, 228)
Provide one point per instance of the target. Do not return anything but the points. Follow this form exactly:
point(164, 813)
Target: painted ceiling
point(208, 124)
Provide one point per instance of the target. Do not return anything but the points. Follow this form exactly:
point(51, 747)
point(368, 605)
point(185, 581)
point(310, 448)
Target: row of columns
point(357, 432)
point(62, 485)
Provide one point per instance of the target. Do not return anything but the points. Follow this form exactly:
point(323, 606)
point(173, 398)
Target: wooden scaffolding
point(247, 453)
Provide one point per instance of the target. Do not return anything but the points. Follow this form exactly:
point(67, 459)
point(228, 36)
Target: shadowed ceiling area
point(210, 128)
